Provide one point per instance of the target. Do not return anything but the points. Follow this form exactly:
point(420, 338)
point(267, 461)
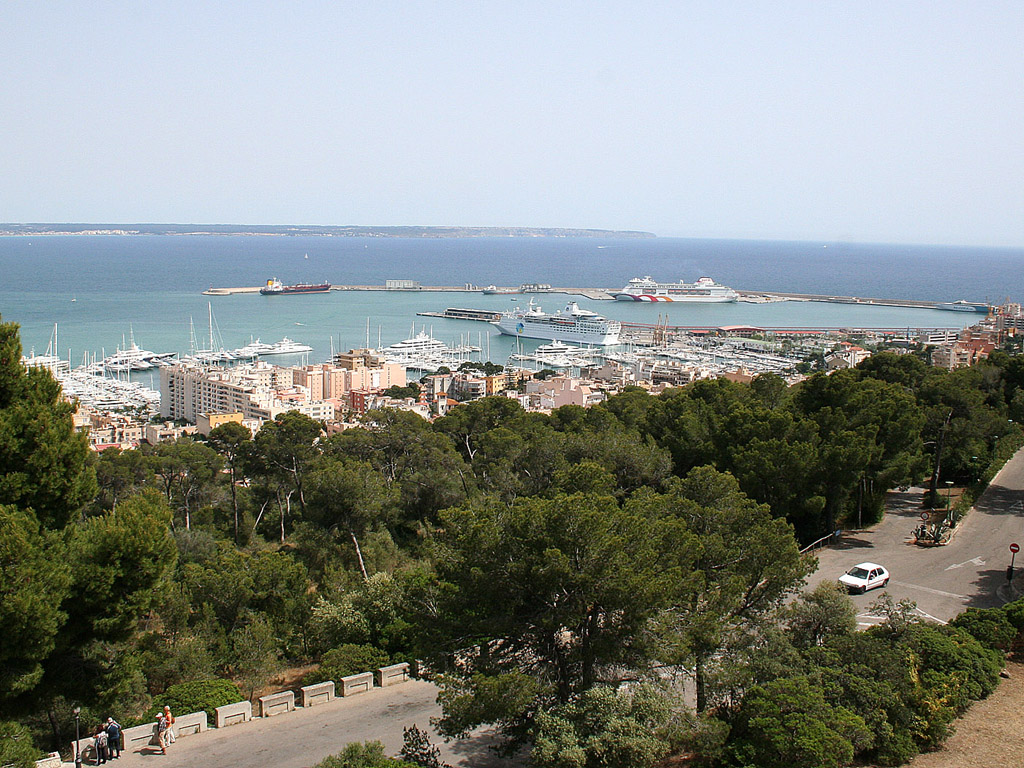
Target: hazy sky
point(865, 121)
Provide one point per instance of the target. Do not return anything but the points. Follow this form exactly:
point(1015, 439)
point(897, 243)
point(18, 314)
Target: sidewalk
point(304, 737)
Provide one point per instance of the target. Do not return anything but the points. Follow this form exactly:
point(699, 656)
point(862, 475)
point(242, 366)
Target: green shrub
point(196, 696)
point(347, 660)
point(989, 626)
point(359, 755)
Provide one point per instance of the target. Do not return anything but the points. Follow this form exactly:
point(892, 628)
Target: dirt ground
point(990, 735)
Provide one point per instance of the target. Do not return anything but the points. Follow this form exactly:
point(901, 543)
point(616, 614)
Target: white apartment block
point(262, 391)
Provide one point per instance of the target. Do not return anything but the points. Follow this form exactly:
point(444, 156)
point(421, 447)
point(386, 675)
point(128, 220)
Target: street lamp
point(78, 738)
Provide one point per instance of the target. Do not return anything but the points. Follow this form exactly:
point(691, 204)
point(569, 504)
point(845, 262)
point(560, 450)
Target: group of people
point(107, 739)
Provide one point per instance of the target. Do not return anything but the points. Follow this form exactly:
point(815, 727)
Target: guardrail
point(821, 542)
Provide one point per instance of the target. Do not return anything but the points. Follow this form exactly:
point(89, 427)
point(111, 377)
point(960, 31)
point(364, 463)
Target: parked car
point(863, 577)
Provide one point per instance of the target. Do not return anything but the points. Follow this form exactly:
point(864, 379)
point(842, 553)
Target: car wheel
point(885, 584)
point(862, 590)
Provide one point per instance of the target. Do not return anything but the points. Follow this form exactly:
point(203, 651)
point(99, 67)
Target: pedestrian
point(162, 724)
point(113, 738)
point(100, 742)
point(170, 724)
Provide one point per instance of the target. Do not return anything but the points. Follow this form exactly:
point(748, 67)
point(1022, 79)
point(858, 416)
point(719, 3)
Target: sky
point(836, 121)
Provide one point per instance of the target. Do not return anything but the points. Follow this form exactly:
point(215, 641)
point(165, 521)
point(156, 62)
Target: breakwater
point(600, 294)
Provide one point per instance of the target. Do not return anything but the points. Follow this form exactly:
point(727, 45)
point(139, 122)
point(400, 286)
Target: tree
point(188, 470)
point(34, 581)
point(44, 464)
point(283, 449)
point(347, 497)
point(559, 591)
point(234, 442)
point(824, 613)
point(123, 562)
point(746, 564)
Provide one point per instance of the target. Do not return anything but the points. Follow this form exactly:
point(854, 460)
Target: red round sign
point(1015, 548)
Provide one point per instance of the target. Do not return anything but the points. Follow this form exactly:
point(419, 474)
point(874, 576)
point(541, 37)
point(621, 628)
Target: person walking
point(113, 730)
point(100, 742)
point(162, 725)
point(170, 724)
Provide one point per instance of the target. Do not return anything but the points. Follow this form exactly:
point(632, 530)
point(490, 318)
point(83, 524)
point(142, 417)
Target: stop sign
point(1015, 548)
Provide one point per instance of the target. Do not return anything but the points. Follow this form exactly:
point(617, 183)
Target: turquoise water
point(98, 289)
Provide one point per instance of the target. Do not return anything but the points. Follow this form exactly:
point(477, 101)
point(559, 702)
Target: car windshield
point(858, 573)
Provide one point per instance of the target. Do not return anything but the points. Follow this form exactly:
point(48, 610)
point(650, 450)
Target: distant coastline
point(309, 231)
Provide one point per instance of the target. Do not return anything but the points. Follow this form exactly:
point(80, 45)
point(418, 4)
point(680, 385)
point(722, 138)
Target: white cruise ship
point(571, 324)
point(704, 291)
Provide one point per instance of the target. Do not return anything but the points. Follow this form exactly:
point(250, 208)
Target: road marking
point(976, 560)
point(929, 616)
point(873, 620)
point(932, 591)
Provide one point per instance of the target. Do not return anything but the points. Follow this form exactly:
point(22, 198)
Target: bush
point(990, 626)
point(197, 696)
point(347, 660)
point(16, 748)
point(359, 755)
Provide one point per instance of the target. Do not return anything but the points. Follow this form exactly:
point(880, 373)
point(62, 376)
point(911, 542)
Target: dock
point(600, 294)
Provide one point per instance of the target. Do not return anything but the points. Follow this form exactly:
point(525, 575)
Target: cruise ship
point(570, 324)
point(963, 306)
point(704, 291)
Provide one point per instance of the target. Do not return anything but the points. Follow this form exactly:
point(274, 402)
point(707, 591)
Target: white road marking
point(932, 591)
point(976, 560)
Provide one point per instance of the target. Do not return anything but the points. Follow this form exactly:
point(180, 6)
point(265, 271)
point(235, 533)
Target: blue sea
point(99, 289)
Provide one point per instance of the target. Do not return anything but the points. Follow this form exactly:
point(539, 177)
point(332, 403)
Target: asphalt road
point(969, 571)
point(305, 737)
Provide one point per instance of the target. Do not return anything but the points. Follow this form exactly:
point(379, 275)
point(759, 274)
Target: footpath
point(303, 737)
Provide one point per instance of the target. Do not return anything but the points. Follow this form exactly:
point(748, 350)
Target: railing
point(819, 542)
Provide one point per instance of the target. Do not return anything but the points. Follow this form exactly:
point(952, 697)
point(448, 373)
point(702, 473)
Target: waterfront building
point(260, 391)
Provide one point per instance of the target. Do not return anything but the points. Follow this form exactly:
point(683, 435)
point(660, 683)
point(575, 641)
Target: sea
point(101, 292)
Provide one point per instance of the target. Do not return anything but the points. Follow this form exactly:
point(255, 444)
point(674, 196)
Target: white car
point(863, 577)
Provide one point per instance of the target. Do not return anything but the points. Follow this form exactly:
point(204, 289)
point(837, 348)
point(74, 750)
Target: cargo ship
point(274, 287)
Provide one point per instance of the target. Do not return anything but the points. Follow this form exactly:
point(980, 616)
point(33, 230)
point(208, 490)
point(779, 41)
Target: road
point(969, 571)
point(305, 737)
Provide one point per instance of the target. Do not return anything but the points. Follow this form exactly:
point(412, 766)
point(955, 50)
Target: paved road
point(970, 571)
point(304, 737)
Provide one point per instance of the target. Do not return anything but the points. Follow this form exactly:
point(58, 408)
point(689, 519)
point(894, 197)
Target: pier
point(600, 294)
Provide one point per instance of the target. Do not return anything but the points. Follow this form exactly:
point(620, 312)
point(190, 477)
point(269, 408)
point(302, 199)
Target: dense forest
point(560, 574)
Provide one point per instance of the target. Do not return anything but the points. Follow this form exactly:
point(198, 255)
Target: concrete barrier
point(354, 684)
point(277, 703)
point(139, 736)
point(187, 725)
point(391, 675)
point(320, 693)
point(52, 760)
point(232, 714)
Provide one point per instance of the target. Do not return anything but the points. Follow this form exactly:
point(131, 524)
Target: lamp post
point(78, 738)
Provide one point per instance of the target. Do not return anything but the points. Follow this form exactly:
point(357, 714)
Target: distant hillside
point(284, 230)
